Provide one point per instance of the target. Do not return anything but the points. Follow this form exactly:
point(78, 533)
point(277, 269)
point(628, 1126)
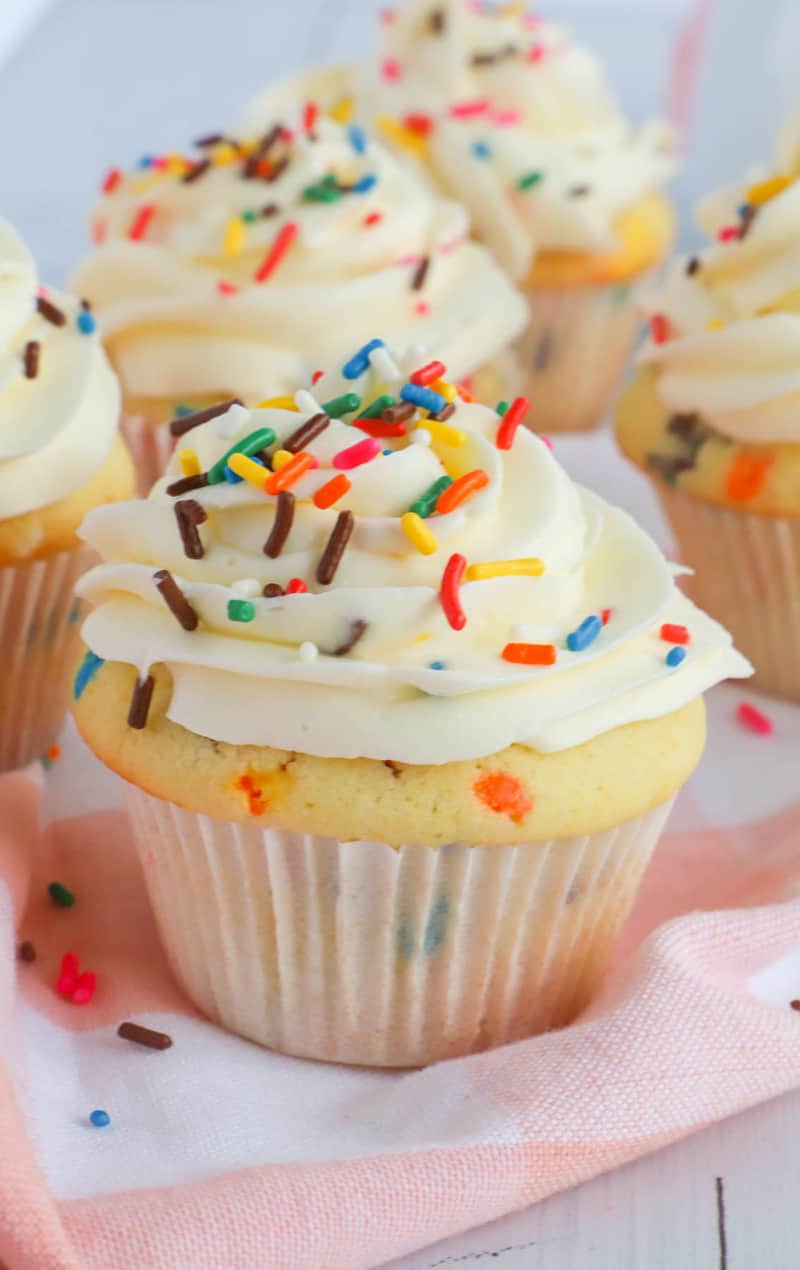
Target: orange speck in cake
point(257, 804)
point(504, 794)
point(746, 476)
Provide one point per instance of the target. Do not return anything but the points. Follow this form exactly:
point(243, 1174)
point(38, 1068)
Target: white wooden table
point(100, 81)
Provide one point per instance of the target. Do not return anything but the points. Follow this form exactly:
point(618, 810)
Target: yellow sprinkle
point(190, 464)
point(280, 458)
point(513, 10)
point(141, 184)
point(716, 324)
point(177, 165)
point(342, 110)
point(765, 190)
point(249, 470)
point(233, 238)
point(418, 533)
point(444, 433)
point(224, 154)
point(448, 391)
point(401, 136)
point(531, 567)
point(420, 639)
point(277, 403)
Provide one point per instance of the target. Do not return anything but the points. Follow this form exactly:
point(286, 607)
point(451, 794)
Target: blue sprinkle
point(359, 362)
point(675, 656)
point(86, 672)
point(404, 939)
point(357, 138)
point(481, 149)
point(437, 665)
point(743, 209)
point(86, 322)
point(75, 614)
point(385, 452)
point(182, 411)
point(365, 183)
point(436, 926)
point(100, 1119)
point(585, 635)
point(233, 479)
point(424, 397)
point(146, 161)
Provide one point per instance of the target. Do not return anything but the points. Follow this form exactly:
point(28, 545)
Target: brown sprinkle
point(263, 148)
point(179, 427)
point(213, 139)
point(748, 217)
point(272, 590)
point(403, 411)
point(186, 484)
point(795, 1005)
point(445, 412)
point(140, 702)
point(358, 629)
point(437, 20)
point(26, 951)
point(196, 171)
point(578, 191)
point(175, 600)
point(693, 266)
point(544, 353)
point(144, 1036)
point(277, 169)
point(309, 431)
point(420, 274)
point(49, 312)
point(270, 209)
point(189, 514)
point(282, 524)
point(335, 546)
point(31, 359)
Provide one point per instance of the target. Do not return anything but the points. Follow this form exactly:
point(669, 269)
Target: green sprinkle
point(344, 405)
point(249, 216)
point(426, 503)
point(529, 180)
point(249, 445)
point(376, 408)
point(322, 192)
point(241, 611)
point(501, 408)
point(60, 895)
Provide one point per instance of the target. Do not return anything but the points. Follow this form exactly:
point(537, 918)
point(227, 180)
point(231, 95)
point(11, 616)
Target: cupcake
point(60, 455)
point(214, 274)
point(713, 414)
point(520, 125)
point(401, 712)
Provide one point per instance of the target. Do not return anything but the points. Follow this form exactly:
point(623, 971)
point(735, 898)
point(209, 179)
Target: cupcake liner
point(358, 952)
point(574, 350)
point(39, 643)
point(747, 576)
point(151, 445)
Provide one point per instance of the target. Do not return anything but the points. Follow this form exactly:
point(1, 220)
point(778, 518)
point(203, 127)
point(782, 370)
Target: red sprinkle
point(605, 616)
point(67, 974)
point(84, 988)
point(467, 109)
point(316, 377)
point(283, 241)
point(227, 288)
point(659, 328)
point(503, 794)
point(427, 374)
point(674, 634)
point(753, 719)
point(296, 586)
point(98, 230)
point(141, 221)
point(378, 428)
point(310, 115)
point(510, 422)
point(374, 218)
point(449, 597)
point(728, 234)
point(111, 180)
point(421, 124)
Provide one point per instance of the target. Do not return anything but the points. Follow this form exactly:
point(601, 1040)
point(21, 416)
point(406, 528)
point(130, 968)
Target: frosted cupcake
point(401, 710)
point(518, 123)
point(215, 274)
point(713, 415)
point(60, 455)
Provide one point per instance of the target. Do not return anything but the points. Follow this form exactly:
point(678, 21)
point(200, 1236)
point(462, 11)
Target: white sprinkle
point(381, 361)
point(249, 587)
point(421, 436)
point(306, 402)
point(308, 651)
point(232, 420)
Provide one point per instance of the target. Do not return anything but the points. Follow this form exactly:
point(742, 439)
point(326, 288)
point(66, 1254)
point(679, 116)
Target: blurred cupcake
point(216, 274)
point(402, 711)
point(60, 455)
point(713, 415)
point(519, 124)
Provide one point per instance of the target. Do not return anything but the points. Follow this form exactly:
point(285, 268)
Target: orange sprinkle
point(461, 490)
point(465, 391)
point(291, 472)
point(746, 476)
point(54, 753)
point(530, 654)
point(257, 804)
point(330, 493)
point(504, 794)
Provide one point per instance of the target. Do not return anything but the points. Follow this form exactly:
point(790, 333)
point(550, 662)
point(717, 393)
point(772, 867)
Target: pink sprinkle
point(546, 441)
point(531, 20)
point(422, 308)
point(387, 16)
point(605, 615)
point(467, 109)
point(390, 68)
point(43, 291)
point(159, 163)
point(357, 454)
point(536, 52)
point(68, 973)
point(728, 234)
point(98, 231)
point(753, 719)
point(409, 260)
point(227, 288)
point(451, 244)
point(506, 118)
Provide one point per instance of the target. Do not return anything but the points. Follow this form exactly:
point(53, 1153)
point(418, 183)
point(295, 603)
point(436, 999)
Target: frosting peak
point(367, 579)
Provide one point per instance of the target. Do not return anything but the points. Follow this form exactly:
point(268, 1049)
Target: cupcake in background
point(519, 124)
point(60, 455)
point(402, 712)
point(215, 274)
point(713, 415)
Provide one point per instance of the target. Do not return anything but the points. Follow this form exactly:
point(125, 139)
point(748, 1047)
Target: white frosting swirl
point(733, 311)
point(171, 331)
point(57, 425)
point(412, 688)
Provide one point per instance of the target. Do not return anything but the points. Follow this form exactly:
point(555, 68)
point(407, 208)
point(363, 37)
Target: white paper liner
point(747, 576)
point(574, 350)
point(356, 952)
point(151, 445)
point(39, 643)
